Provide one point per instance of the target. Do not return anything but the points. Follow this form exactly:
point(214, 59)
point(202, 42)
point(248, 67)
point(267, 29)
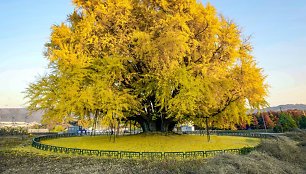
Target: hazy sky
point(277, 27)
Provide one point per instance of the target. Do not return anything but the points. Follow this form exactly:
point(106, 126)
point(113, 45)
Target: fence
point(130, 154)
point(254, 134)
point(245, 134)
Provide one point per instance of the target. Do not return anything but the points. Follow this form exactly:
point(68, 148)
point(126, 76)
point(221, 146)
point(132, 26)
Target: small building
point(38, 131)
point(186, 128)
point(73, 129)
point(76, 130)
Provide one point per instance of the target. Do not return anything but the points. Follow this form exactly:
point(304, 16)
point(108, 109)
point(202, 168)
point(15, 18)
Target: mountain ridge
point(22, 114)
point(19, 115)
point(286, 107)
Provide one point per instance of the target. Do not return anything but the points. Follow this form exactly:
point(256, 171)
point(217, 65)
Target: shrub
point(285, 123)
point(302, 122)
point(6, 131)
point(58, 128)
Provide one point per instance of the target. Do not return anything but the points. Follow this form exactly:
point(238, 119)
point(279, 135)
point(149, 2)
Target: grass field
point(155, 143)
point(281, 155)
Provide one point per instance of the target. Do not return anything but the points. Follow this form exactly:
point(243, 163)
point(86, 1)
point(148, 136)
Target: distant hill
point(19, 115)
point(22, 114)
point(284, 107)
point(287, 107)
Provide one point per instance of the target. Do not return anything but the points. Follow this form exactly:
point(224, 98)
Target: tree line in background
point(279, 121)
point(10, 131)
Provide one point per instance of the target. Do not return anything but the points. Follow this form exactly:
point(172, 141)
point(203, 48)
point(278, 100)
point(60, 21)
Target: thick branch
point(200, 32)
point(227, 103)
point(215, 52)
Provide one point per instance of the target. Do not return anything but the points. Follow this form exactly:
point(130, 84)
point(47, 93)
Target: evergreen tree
point(285, 123)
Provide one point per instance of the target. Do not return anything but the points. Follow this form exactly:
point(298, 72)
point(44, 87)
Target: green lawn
point(155, 143)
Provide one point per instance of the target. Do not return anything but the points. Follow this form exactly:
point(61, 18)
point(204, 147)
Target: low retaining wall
point(130, 154)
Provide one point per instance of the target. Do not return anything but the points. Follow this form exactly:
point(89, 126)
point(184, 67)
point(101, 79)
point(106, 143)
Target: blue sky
point(24, 29)
point(278, 34)
point(277, 29)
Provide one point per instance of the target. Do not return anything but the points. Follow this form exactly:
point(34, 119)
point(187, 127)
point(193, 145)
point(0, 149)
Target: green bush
point(285, 123)
point(302, 122)
point(7, 131)
point(58, 128)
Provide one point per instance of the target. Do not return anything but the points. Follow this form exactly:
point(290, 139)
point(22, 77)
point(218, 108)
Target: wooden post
point(124, 127)
point(130, 127)
point(207, 131)
point(114, 132)
point(134, 127)
point(118, 128)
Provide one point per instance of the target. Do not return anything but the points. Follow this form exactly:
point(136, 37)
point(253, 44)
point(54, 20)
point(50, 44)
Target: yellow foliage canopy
point(175, 60)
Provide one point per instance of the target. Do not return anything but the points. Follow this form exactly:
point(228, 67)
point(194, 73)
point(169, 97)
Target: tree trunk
point(94, 127)
point(157, 125)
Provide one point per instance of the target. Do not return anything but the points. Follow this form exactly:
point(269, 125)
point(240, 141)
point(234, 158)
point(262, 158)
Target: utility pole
point(13, 121)
point(263, 119)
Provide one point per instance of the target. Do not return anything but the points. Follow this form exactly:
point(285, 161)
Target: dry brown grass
point(284, 154)
point(279, 156)
point(256, 162)
point(281, 148)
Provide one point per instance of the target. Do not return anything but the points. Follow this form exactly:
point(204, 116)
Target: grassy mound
point(281, 155)
point(284, 154)
point(155, 143)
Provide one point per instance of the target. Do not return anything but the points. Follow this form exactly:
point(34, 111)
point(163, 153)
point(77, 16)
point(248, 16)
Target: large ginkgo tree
point(157, 62)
